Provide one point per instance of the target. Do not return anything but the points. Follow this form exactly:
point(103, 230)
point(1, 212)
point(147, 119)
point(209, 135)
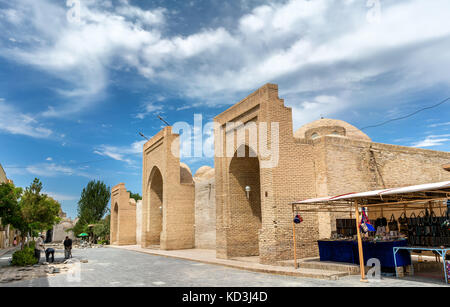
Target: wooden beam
point(293, 235)
point(387, 204)
point(360, 247)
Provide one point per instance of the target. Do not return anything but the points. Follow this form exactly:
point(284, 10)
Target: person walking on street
point(67, 248)
point(38, 247)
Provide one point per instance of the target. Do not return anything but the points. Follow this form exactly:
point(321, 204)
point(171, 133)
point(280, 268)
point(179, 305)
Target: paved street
point(108, 267)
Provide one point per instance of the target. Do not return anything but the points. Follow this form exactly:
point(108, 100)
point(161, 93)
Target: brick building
point(261, 166)
point(168, 195)
point(7, 234)
point(2, 175)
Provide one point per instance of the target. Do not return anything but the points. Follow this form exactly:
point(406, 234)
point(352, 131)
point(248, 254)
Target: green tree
point(92, 206)
point(101, 230)
point(38, 211)
point(9, 203)
point(136, 196)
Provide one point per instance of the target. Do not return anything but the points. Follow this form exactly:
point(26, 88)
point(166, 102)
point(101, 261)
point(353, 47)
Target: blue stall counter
point(347, 252)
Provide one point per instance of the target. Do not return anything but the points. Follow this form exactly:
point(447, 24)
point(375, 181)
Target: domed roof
point(185, 173)
point(335, 127)
point(204, 173)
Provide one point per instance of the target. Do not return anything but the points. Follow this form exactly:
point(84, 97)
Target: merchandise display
point(427, 229)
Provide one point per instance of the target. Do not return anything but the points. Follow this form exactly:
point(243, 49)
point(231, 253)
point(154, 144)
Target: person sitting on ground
point(38, 247)
point(67, 248)
point(48, 252)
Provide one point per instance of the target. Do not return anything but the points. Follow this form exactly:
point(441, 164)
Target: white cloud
point(439, 125)
point(320, 106)
point(121, 153)
point(14, 122)
point(55, 170)
point(151, 107)
point(311, 48)
point(433, 140)
point(79, 54)
point(61, 197)
point(142, 17)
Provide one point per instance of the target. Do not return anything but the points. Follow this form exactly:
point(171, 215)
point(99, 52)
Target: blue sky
point(79, 90)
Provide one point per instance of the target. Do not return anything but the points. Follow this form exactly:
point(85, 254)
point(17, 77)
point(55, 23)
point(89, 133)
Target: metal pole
point(360, 247)
point(444, 255)
point(395, 261)
point(293, 234)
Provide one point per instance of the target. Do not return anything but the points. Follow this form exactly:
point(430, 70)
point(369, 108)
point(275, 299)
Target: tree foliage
point(135, 196)
point(30, 211)
point(9, 203)
point(92, 206)
point(38, 211)
point(101, 230)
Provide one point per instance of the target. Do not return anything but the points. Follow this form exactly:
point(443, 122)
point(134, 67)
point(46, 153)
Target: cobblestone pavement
point(108, 267)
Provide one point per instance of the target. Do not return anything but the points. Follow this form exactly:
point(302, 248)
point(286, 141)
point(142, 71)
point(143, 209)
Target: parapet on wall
point(123, 216)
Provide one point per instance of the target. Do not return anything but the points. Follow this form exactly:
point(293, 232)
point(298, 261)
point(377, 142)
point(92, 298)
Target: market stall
point(389, 238)
point(346, 251)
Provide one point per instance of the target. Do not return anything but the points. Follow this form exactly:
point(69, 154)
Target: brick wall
point(291, 178)
point(123, 216)
point(357, 166)
point(328, 165)
point(168, 195)
point(177, 214)
point(205, 212)
point(139, 222)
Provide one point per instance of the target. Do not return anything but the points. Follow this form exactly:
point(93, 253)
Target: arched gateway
point(155, 205)
point(123, 217)
point(169, 193)
point(245, 200)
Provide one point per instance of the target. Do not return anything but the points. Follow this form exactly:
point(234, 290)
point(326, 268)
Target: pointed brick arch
point(290, 176)
point(165, 186)
point(115, 223)
point(246, 209)
point(123, 217)
point(155, 198)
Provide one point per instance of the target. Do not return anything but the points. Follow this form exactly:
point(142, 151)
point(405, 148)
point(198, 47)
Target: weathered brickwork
point(168, 195)
point(123, 216)
point(2, 175)
point(325, 157)
point(205, 208)
point(139, 222)
point(289, 179)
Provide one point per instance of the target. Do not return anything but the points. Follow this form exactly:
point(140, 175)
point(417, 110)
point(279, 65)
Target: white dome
point(334, 127)
point(204, 173)
point(185, 173)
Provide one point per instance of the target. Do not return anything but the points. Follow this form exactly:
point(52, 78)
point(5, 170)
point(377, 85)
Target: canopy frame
point(406, 199)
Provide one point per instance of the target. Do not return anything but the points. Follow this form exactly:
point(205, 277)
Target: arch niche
point(155, 198)
point(246, 217)
point(115, 223)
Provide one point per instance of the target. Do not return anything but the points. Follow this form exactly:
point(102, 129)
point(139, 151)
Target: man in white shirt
point(38, 247)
